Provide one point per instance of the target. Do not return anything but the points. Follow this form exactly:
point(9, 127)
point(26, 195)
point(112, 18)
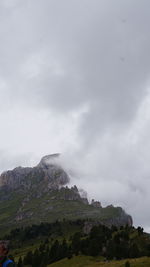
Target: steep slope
point(33, 195)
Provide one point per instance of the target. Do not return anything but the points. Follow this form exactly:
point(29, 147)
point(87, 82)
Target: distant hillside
point(40, 194)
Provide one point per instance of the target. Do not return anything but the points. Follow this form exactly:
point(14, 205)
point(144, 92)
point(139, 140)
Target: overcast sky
point(75, 79)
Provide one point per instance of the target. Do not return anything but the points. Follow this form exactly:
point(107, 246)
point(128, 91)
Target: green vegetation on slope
point(48, 243)
point(86, 261)
point(37, 207)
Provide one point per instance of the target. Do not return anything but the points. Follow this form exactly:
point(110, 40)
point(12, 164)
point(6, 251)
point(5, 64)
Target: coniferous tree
point(121, 250)
point(37, 258)
point(94, 248)
point(20, 263)
point(64, 249)
point(76, 240)
point(70, 254)
point(127, 264)
point(44, 260)
point(28, 259)
point(148, 250)
point(55, 252)
point(140, 230)
point(134, 251)
point(84, 246)
point(110, 250)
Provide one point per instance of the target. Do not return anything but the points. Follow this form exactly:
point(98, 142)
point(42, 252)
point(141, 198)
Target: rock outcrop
point(34, 195)
point(47, 173)
point(96, 204)
point(121, 220)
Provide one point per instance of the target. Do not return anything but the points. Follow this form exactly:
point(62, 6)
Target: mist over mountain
point(42, 194)
point(75, 78)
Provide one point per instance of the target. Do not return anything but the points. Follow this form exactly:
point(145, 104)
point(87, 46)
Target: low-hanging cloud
point(75, 78)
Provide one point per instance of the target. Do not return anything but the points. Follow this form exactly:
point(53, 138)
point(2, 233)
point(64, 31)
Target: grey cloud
point(78, 74)
point(88, 46)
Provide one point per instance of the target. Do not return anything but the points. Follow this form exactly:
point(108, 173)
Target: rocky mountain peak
point(47, 173)
point(48, 160)
point(40, 194)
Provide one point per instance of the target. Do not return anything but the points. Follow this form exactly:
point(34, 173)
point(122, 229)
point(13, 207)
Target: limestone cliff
point(47, 173)
point(41, 194)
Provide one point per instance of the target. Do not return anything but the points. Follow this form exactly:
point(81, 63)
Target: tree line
point(112, 243)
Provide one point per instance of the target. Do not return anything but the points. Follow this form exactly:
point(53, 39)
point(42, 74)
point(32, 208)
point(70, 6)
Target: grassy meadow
point(83, 261)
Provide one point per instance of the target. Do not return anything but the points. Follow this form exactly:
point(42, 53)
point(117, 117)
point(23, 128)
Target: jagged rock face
point(122, 220)
point(48, 173)
point(34, 195)
point(96, 204)
point(71, 194)
point(14, 178)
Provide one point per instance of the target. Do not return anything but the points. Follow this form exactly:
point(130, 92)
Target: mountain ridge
point(41, 193)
